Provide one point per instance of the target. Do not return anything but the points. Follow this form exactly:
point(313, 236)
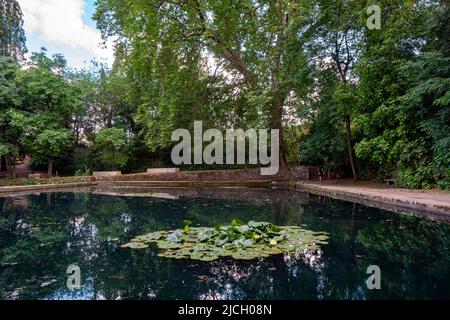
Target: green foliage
point(83, 172)
point(237, 240)
point(37, 108)
point(49, 144)
point(397, 95)
point(8, 92)
point(12, 35)
point(413, 138)
point(311, 69)
point(166, 48)
point(324, 140)
point(111, 149)
point(8, 150)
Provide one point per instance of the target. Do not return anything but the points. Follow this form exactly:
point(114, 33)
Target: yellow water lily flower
point(256, 237)
point(273, 242)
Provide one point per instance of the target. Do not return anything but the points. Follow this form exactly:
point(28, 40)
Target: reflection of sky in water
point(52, 231)
point(86, 292)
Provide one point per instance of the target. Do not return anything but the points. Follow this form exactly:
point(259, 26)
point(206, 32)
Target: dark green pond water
point(41, 235)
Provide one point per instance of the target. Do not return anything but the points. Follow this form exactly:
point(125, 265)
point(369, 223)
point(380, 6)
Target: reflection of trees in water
point(10, 203)
point(39, 241)
point(415, 252)
point(274, 277)
point(29, 247)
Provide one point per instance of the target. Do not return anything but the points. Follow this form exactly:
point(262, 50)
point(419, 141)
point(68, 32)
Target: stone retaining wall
point(285, 174)
point(99, 174)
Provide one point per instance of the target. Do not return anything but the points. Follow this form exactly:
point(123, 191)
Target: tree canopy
point(361, 102)
point(12, 36)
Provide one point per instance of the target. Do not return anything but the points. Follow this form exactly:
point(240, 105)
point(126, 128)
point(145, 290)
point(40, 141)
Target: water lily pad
point(238, 241)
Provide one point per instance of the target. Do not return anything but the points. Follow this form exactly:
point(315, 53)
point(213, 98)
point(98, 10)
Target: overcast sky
point(64, 26)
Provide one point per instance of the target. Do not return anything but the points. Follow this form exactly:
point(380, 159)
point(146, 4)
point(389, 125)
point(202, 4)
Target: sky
point(65, 26)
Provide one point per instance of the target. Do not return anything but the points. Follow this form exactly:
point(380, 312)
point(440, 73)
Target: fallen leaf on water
point(47, 283)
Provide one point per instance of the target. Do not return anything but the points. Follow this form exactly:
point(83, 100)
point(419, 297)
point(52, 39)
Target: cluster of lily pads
point(237, 240)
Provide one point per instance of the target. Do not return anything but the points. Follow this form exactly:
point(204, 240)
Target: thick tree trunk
point(351, 155)
point(10, 167)
point(283, 153)
point(279, 125)
point(13, 168)
point(50, 168)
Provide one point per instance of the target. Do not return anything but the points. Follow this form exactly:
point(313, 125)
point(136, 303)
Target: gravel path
point(427, 201)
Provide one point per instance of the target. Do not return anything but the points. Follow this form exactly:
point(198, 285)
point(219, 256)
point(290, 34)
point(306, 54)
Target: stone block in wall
point(163, 170)
point(99, 174)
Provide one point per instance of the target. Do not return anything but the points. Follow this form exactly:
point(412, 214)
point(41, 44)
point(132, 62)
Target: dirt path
point(23, 169)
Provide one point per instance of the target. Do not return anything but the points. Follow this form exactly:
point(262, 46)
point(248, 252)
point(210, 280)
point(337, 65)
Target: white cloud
point(60, 22)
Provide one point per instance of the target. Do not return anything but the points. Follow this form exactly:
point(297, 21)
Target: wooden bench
point(390, 182)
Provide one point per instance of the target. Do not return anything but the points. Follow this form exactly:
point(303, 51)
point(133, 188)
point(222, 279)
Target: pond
point(41, 235)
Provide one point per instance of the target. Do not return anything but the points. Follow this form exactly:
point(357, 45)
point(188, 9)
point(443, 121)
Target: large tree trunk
point(279, 125)
point(13, 168)
point(283, 153)
point(50, 168)
point(351, 155)
point(10, 166)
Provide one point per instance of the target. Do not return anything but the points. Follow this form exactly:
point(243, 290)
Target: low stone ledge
point(187, 184)
point(284, 174)
point(162, 170)
point(100, 174)
point(12, 190)
point(406, 205)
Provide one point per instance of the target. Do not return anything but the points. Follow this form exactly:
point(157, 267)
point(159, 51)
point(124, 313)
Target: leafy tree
point(391, 83)
point(255, 46)
point(10, 152)
point(49, 103)
point(49, 145)
point(12, 36)
point(45, 88)
point(9, 100)
point(403, 87)
point(426, 103)
point(339, 39)
point(111, 148)
point(105, 98)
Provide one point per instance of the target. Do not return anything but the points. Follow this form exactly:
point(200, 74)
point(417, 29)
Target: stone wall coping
point(106, 173)
point(163, 170)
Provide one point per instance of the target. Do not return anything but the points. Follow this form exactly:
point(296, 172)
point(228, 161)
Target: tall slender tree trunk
point(50, 168)
point(351, 155)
